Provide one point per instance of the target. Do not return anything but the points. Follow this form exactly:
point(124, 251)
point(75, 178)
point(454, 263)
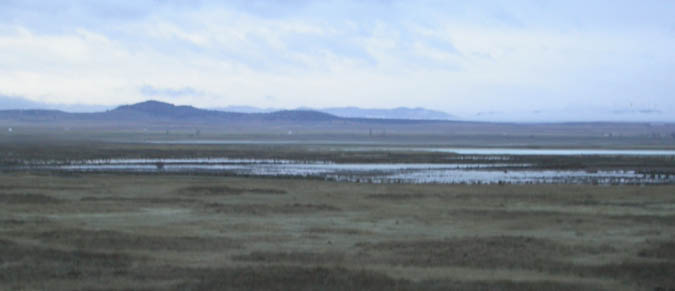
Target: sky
point(509, 60)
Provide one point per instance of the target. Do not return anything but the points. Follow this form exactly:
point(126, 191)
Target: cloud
point(12, 102)
point(458, 56)
point(151, 91)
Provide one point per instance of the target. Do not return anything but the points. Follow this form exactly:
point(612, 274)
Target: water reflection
point(448, 173)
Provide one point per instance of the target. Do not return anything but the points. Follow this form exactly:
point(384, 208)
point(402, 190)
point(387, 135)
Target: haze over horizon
point(481, 60)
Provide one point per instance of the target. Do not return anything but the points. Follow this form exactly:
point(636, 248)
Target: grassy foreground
point(155, 232)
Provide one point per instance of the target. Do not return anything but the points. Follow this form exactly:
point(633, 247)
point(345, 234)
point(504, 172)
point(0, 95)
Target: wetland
point(102, 216)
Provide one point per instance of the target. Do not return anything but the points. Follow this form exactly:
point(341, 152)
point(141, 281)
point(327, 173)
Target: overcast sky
point(464, 57)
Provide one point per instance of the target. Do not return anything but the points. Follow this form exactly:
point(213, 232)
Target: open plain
point(88, 231)
point(161, 230)
point(337, 145)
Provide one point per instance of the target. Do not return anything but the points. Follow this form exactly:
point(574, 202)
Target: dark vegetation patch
point(42, 187)
point(28, 198)
point(648, 276)
point(393, 196)
point(135, 288)
point(505, 215)
point(341, 231)
point(114, 240)
point(502, 286)
point(138, 200)
point(596, 202)
point(260, 209)
point(559, 216)
point(22, 264)
point(528, 253)
point(290, 278)
point(291, 257)
point(538, 197)
point(659, 250)
point(19, 263)
point(647, 219)
point(338, 278)
point(510, 252)
point(23, 222)
point(226, 190)
point(12, 221)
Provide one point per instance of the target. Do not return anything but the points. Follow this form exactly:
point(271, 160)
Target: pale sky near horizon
point(462, 57)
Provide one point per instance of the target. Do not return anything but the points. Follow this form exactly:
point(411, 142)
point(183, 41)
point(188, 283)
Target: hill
point(357, 112)
point(159, 117)
point(150, 112)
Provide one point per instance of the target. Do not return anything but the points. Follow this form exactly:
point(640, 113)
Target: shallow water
point(520, 177)
point(549, 152)
point(503, 153)
point(271, 168)
point(448, 173)
point(365, 146)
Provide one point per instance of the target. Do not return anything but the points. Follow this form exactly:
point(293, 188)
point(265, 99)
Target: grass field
point(161, 232)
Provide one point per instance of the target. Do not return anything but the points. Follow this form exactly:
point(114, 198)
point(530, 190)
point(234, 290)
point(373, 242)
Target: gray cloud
point(14, 102)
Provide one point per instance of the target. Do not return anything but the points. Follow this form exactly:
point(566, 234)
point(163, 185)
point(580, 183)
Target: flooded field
point(497, 171)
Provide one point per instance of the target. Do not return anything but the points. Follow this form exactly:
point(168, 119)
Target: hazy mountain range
point(586, 114)
point(356, 112)
point(8, 103)
point(154, 112)
point(155, 116)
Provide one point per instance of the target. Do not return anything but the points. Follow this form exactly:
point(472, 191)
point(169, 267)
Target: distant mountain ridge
point(166, 110)
point(159, 109)
point(417, 113)
point(10, 103)
point(154, 116)
point(598, 114)
point(156, 111)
